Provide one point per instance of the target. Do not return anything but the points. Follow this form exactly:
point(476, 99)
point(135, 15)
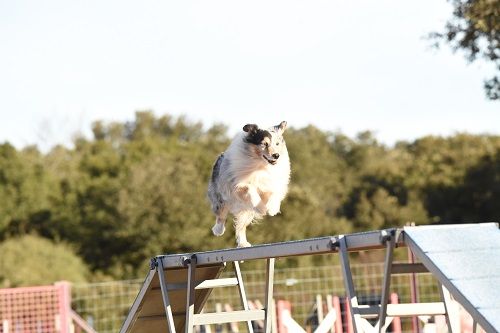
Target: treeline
point(137, 189)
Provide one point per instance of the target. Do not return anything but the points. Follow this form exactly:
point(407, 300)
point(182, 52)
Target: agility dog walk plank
point(355, 242)
point(148, 312)
point(466, 260)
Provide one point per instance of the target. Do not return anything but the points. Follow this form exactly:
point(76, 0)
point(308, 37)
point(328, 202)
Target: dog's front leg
point(273, 205)
point(250, 193)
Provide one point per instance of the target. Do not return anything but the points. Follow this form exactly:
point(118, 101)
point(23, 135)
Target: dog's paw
point(273, 206)
point(218, 229)
point(244, 244)
point(273, 211)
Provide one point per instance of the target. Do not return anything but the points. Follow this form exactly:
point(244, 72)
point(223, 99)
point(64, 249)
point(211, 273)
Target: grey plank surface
point(465, 259)
point(487, 296)
point(355, 242)
point(468, 264)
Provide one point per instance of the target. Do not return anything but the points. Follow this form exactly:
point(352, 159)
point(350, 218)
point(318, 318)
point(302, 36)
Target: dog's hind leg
point(220, 221)
point(242, 220)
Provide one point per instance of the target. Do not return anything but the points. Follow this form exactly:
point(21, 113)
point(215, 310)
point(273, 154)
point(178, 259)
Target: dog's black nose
point(275, 156)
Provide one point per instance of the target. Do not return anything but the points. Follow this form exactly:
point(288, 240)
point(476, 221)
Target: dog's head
point(266, 144)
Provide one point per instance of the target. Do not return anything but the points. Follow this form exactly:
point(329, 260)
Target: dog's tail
point(216, 168)
point(213, 193)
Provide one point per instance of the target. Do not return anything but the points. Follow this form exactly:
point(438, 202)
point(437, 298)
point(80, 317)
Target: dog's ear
point(281, 127)
point(250, 128)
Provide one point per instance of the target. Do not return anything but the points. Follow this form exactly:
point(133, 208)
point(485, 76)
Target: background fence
point(105, 305)
point(40, 309)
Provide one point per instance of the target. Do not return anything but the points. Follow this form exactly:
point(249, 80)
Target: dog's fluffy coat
point(250, 179)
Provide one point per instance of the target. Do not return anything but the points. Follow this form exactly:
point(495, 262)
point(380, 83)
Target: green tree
point(138, 189)
point(475, 198)
point(31, 260)
point(475, 29)
point(25, 188)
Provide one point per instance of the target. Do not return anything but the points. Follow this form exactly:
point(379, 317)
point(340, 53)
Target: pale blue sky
point(340, 65)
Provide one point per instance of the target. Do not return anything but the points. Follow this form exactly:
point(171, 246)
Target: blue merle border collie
point(250, 179)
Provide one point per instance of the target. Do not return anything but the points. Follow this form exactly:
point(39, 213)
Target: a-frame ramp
point(466, 260)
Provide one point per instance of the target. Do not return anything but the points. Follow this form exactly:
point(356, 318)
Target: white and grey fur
point(250, 179)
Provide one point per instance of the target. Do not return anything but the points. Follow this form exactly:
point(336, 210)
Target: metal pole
point(164, 294)
point(190, 294)
point(269, 295)
point(390, 243)
point(349, 285)
point(243, 295)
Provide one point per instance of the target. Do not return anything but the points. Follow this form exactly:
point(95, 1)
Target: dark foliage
point(475, 29)
point(138, 189)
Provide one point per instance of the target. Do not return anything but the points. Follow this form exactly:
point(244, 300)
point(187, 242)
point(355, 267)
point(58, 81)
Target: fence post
point(396, 321)
point(64, 292)
point(338, 312)
point(280, 306)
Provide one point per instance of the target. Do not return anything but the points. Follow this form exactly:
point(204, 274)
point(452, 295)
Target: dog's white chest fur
point(268, 180)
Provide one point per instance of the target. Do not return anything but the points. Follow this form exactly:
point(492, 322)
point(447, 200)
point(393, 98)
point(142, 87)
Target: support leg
point(190, 292)
point(166, 301)
point(243, 295)
point(349, 286)
point(390, 243)
point(269, 295)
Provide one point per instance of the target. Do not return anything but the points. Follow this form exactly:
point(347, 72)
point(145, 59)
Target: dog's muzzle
point(273, 160)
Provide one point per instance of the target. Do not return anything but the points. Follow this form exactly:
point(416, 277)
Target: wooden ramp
point(148, 312)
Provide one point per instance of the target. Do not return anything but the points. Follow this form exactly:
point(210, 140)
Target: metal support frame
point(243, 295)
point(357, 311)
point(386, 312)
point(349, 284)
point(269, 295)
point(387, 239)
point(190, 294)
point(390, 242)
point(166, 301)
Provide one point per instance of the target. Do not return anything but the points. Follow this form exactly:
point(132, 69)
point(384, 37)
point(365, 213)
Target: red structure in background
point(396, 322)
point(342, 323)
point(280, 306)
point(338, 313)
point(41, 309)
